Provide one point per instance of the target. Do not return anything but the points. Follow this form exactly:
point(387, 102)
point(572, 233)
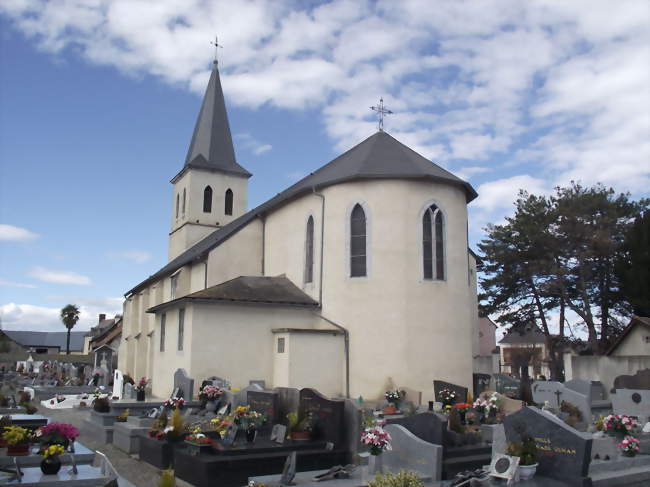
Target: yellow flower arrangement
point(53, 450)
point(15, 435)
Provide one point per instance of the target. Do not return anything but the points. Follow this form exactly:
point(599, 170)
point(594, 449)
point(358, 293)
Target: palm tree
point(69, 316)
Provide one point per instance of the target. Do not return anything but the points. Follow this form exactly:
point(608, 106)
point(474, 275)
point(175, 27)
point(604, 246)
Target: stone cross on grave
point(558, 393)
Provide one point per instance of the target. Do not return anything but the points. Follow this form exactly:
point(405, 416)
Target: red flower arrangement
point(56, 434)
point(462, 407)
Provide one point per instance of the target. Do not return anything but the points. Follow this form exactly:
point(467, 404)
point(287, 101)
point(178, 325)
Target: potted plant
point(393, 398)
point(300, 425)
point(142, 384)
point(51, 463)
point(197, 441)
point(175, 430)
point(17, 440)
point(448, 397)
point(56, 434)
point(620, 425)
point(462, 408)
point(249, 421)
point(630, 446)
point(378, 441)
point(123, 417)
point(527, 453)
point(209, 396)
point(101, 405)
point(174, 403)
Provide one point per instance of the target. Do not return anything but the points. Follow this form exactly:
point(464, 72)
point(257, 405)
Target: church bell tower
point(211, 189)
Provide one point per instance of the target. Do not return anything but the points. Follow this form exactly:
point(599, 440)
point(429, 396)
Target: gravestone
point(261, 383)
point(240, 398)
point(555, 393)
point(597, 391)
point(428, 427)
point(214, 381)
point(327, 415)
point(499, 443)
point(581, 386)
point(118, 384)
point(130, 391)
point(506, 385)
point(440, 385)
point(640, 380)
point(633, 403)
point(288, 401)
point(562, 452)
point(264, 402)
point(412, 396)
point(412, 453)
point(184, 384)
point(480, 382)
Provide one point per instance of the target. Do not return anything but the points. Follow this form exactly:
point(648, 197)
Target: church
point(358, 273)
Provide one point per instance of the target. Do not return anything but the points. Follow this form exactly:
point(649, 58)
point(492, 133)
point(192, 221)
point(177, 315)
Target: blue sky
point(98, 100)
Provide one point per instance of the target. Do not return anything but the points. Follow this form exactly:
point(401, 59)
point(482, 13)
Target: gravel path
point(138, 473)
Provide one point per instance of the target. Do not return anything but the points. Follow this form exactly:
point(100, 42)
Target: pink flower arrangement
point(175, 403)
point(377, 439)
point(211, 392)
point(56, 434)
point(142, 383)
point(630, 446)
point(620, 423)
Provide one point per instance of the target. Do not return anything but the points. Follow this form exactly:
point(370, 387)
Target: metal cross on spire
point(216, 49)
point(381, 110)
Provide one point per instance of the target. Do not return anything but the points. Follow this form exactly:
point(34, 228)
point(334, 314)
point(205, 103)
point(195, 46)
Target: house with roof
point(45, 342)
point(357, 273)
point(634, 340)
point(525, 346)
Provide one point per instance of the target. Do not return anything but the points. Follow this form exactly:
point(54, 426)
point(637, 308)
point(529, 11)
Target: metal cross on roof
point(216, 48)
point(381, 110)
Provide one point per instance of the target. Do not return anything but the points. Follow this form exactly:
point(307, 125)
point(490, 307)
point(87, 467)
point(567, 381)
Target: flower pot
point(300, 435)
point(21, 450)
point(51, 465)
point(140, 396)
point(390, 409)
point(526, 471)
point(629, 454)
point(250, 435)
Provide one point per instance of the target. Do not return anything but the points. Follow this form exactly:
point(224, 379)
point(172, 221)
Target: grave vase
point(251, 433)
point(375, 464)
point(51, 465)
point(140, 396)
point(211, 406)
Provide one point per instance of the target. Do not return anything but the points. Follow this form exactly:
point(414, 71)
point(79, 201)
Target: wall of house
point(636, 343)
point(486, 336)
point(603, 368)
point(421, 329)
point(317, 361)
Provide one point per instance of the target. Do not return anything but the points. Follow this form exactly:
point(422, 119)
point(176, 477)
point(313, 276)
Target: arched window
point(433, 251)
point(228, 208)
point(184, 199)
point(309, 251)
point(357, 242)
point(178, 200)
point(207, 200)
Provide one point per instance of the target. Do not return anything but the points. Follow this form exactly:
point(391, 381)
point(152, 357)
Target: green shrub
point(404, 478)
point(526, 451)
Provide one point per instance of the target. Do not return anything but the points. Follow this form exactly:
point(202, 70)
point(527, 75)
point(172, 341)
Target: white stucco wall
point(317, 360)
point(240, 255)
point(636, 343)
point(401, 326)
point(194, 224)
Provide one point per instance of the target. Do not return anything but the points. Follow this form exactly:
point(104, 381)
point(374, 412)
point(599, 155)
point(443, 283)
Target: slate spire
point(211, 147)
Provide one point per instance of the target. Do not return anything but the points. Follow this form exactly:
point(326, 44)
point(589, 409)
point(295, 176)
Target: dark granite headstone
point(506, 385)
point(264, 402)
point(288, 401)
point(327, 415)
point(439, 385)
point(640, 380)
point(481, 382)
point(429, 427)
point(562, 452)
point(184, 384)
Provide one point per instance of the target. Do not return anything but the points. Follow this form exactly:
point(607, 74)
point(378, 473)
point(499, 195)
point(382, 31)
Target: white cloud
point(137, 256)
point(563, 84)
point(251, 144)
point(58, 276)
point(41, 318)
point(469, 171)
point(16, 234)
point(501, 194)
point(16, 284)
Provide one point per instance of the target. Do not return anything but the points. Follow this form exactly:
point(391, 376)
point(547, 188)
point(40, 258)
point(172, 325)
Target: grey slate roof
point(211, 146)
point(529, 334)
point(47, 339)
point(247, 289)
point(380, 156)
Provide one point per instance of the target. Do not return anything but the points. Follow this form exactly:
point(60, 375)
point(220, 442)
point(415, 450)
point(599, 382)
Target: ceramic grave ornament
point(118, 384)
